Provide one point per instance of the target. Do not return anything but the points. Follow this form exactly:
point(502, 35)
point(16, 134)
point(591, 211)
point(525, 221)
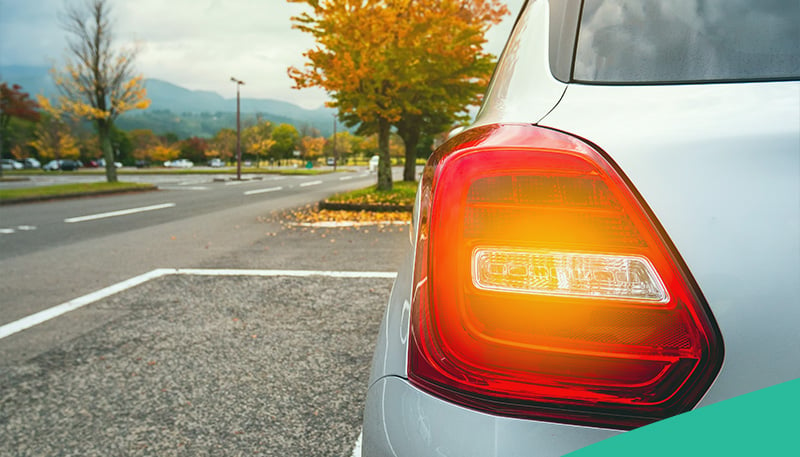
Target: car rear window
point(648, 41)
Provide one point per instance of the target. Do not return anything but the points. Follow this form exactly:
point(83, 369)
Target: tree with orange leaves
point(385, 62)
point(97, 82)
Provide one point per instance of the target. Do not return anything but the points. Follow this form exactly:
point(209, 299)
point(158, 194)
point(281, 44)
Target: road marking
point(293, 273)
point(183, 188)
point(26, 228)
point(345, 178)
point(47, 314)
point(6, 231)
point(50, 313)
point(310, 183)
point(357, 447)
point(122, 212)
point(261, 191)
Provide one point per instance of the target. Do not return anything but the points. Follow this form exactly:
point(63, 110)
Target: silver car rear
point(713, 156)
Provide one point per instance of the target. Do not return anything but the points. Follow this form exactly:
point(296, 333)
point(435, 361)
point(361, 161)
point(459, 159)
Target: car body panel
point(719, 166)
point(400, 420)
point(526, 91)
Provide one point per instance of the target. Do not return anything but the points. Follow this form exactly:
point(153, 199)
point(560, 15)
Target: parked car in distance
point(30, 162)
point(69, 165)
point(215, 162)
point(179, 163)
point(330, 161)
point(373, 162)
point(52, 165)
point(612, 242)
point(11, 164)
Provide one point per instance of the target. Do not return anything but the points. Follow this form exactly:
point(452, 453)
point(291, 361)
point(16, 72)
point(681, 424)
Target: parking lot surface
point(205, 365)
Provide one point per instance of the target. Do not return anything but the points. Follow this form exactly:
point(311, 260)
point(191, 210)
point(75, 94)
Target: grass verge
point(402, 194)
point(70, 190)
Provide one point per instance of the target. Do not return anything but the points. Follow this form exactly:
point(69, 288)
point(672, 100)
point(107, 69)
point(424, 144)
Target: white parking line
point(345, 178)
point(357, 447)
point(310, 183)
point(50, 313)
point(122, 212)
point(6, 231)
point(261, 191)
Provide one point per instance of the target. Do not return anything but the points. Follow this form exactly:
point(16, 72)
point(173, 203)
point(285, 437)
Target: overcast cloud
point(197, 44)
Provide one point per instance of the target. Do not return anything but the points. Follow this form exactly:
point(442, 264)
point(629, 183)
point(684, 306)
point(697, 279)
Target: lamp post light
point(238, 132)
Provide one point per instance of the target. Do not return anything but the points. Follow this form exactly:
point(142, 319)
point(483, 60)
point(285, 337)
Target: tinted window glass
point(688, 40)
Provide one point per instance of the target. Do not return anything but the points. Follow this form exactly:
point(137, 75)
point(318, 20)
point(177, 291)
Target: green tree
point(287, 140)
point(14, 103)
point(97, 82)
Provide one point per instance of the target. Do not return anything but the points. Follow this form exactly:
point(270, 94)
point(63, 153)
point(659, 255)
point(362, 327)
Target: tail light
point(544, 288)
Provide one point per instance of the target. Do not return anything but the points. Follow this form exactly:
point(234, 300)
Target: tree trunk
point(104, 133)
point(384, 162)
point(411, 138)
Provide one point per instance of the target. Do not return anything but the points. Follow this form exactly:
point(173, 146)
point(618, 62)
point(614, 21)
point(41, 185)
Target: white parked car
point(11, 164)
point(373, 162)
point(179, 163)
point(614, 241)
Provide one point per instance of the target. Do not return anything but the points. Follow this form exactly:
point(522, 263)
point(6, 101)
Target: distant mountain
point(185, 112)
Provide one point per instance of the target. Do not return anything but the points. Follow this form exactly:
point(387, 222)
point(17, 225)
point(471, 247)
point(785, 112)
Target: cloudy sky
point(198, 44)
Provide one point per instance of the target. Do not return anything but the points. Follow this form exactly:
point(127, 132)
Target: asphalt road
point(190, 365)
point(32, 227)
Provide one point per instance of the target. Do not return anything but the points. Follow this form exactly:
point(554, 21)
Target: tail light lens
point(544, 288)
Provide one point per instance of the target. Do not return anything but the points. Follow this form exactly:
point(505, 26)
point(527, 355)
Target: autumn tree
point(14, 103)
point(52, 137)
point(344, 144)
point(311, 147)
point(257, 140)
point(194, 149)
point(382, 60)
point(222, 145)
point(97, 82)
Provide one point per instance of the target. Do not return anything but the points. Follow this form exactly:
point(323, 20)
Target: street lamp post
point(238, 132)
point(335, 155)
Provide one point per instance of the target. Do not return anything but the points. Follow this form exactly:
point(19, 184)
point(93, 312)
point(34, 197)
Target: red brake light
point(544, 289)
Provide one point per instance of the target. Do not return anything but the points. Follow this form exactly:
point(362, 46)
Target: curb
point(42, 198)
point(364, 207)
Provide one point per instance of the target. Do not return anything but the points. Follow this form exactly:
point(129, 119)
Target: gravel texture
point(208, 366)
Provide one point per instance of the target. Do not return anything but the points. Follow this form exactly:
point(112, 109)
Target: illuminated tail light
point(544, 289)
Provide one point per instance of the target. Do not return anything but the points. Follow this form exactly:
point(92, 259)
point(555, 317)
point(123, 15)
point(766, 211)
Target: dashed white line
point(122, 212)
point(26, 228)
point(310, 183)
point(50, 313)
point(183, 188)
point(6, 231)
point(345, 178)
point(261, 191)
